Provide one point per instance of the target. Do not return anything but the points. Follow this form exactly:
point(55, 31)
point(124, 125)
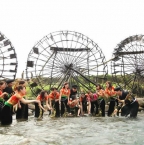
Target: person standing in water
point(54, 100)
point(22, 109)
point(6, 114)
point(111, 94)
point(64, 98)
point(101, 100)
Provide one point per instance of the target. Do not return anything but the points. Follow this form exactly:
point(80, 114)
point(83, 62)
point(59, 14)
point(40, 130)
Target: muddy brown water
point(75, 131)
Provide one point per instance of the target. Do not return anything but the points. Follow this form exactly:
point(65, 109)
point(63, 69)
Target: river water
point(75, 131)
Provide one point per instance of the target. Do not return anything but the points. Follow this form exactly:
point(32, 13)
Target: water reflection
point(75, 131)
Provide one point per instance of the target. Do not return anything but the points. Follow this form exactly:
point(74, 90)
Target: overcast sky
point(106, 22)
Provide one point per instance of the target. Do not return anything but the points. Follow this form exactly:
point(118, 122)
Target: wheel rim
point(128, 65)
point(8, 59)
point(65, 56)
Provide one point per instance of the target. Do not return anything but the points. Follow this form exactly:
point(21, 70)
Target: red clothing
point(42, 99)
point(13, 100)
point(110, 92)
point(54, 96)
point(1, 92)
point(65, 93)
point(94, 98)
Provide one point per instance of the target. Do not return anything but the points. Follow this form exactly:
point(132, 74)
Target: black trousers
point(134, 109)
point(38, 111)
point(56, 106)
point(111, 107)
point(1, 106)
point(93, 105)
point(74, 110)
point(22, 113)
point(131, 109)
point(6, 115)
point(102, 106)
point(125, 110)
point(84, 105)
point(63, 106)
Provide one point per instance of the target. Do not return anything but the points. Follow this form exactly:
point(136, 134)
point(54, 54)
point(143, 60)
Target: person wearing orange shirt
point(111, 94)
point(54, 100)
point(101, 99)
point(22, 109)
point(39, 108)
point(6, 114)
point(64, 98)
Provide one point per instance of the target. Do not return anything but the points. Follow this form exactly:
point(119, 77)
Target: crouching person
point(74, 105)
point(121, 94)
point(39, 108)
point(131, 106)
point(94, 103)
point(85, 103)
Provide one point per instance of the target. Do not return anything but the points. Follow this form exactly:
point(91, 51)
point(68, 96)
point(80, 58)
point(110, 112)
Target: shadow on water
point(74, 131)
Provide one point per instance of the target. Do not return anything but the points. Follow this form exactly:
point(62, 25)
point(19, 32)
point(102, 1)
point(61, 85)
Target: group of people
point(66, 101)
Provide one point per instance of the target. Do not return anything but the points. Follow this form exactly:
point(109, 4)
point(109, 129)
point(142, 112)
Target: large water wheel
point(128, 65)
point(65, 56)
point(8, 59)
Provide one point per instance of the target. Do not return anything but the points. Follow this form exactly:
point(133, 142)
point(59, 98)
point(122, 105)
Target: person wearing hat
point(121, 98)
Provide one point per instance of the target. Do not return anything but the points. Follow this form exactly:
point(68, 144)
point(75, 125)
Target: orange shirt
point(54, 96)
point(101, 91)
point(65, 93)
point(13, 100)
point(40, 98)
point(72, 103)
point(110, 92)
